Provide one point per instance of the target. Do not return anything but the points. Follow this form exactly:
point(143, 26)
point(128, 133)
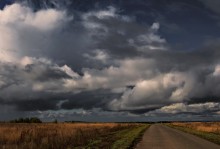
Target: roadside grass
point(128, 138)
point(120, 139)
point(210, 136)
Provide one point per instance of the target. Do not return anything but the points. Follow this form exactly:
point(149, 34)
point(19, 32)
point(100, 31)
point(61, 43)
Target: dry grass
point(207, 130)
point(213, 127)
point(57, 136)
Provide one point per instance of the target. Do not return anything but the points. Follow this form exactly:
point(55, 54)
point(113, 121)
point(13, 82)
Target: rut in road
point(163, 137)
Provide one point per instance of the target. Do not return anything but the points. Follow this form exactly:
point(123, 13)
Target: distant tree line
point(26, 120)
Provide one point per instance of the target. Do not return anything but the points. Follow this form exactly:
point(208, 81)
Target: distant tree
point(55, 121)
point(27, 120)
point(20, 120)
point(35, 120)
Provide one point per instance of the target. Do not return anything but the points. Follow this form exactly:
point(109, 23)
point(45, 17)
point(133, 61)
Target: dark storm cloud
point(176, 19)
point(212, 5)
point(7, 71)
point(140, 58)
point(144, 110)
point(186, 60)
point(204, 99)
point(64, 101)
point(41, 101)
point(89, 100)
point(120, 37)
point(34, 105)
point(47, 74)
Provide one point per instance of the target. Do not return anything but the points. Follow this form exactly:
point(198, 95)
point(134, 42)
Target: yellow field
point(213, 127)
point(61, 135)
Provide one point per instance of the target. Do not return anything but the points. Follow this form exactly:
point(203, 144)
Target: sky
point(110, 60)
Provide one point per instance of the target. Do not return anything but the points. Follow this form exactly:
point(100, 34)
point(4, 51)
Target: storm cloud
point(61, 60)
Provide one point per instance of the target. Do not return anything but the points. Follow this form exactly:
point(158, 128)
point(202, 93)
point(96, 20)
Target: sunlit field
point(206, 130)
point(213, 127)
point(69, 135)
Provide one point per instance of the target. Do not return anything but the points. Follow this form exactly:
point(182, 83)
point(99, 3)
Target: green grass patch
point(129, 137)
point(125, 138)
point(213, 137)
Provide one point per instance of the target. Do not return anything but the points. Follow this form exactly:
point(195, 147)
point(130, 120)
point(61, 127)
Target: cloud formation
point(53, 61)
point(212, 5)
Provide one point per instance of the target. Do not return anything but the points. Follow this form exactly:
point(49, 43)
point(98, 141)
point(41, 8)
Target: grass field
point(70, 135)
point(206, 130)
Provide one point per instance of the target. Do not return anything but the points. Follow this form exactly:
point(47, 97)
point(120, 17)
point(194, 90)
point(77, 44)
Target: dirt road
point(163, 137)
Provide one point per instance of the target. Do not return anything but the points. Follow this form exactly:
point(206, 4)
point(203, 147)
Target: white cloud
point(149, 40)
point(162, 89)
point(69, 71)
point(184, 108)
point(102, 14)
point(93, 25)
point(217, 71)
point(17, 15)
point(155, 26)
point(152, 37)
point(22, 29)
point(98, 55)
